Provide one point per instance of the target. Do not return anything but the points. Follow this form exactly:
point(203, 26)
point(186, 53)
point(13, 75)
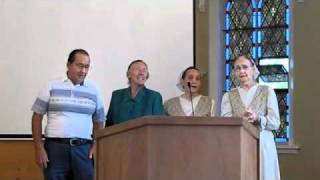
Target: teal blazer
point(123, 108)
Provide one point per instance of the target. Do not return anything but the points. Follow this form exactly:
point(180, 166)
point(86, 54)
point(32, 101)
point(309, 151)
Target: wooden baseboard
point(18, 161)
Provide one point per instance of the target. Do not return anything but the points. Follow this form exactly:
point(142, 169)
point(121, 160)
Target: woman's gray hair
point(233, 75)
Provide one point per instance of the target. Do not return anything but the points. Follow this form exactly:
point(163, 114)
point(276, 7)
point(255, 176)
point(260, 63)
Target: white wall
point(36, 37)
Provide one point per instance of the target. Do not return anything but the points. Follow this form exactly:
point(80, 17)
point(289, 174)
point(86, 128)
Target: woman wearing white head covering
point(256, 104)
point(191, 102)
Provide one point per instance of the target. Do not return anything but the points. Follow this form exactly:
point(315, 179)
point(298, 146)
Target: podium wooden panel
point(178, 148)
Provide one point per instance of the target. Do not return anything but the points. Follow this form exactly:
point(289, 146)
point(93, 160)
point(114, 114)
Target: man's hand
point(92, 150)
point(96, 126)
point(41, 154)
point(41, 157)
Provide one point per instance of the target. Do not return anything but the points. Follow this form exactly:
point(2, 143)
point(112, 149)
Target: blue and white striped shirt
point(70, 108)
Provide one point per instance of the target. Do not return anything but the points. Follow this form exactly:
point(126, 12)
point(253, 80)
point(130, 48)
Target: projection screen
point(36, 37)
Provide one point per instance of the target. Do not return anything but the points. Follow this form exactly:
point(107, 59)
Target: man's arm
point(96, 126)
point(41, 154)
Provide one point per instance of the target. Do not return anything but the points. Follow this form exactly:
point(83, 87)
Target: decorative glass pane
point(273, 73)
point(274, 42)
point(240, 13)
point(240, 43)
point(276, 78)
point(282, 132)
point(274, 13)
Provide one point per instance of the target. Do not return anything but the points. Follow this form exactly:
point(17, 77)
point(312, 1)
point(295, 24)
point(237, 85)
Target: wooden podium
point(178, 148)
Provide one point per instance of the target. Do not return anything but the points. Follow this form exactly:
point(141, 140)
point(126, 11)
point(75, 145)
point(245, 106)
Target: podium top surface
point(177, 121)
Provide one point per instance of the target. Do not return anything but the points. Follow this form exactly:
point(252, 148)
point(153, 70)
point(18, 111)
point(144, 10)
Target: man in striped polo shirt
point(74, 109)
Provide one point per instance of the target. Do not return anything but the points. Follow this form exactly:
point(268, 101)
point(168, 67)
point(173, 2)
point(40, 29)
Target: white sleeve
point(272, 120)
point(42, 101)
point(226, 109)
point(99, 114)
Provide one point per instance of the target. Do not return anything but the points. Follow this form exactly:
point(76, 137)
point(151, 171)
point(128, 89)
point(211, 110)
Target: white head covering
point(179, 83)
point(180, 79)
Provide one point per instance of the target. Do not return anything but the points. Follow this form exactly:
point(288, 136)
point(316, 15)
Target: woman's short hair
point(137, 61)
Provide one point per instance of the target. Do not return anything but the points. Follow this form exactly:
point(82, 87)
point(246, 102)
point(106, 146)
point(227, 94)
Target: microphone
point(189, 85)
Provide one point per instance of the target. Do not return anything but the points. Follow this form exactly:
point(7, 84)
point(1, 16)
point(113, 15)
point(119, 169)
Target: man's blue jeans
point(67, 162)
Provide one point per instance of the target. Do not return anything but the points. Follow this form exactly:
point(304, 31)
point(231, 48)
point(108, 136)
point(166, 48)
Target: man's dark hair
point(73, 54)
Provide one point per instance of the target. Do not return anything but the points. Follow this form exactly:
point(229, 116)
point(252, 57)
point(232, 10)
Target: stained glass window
point(261, 28)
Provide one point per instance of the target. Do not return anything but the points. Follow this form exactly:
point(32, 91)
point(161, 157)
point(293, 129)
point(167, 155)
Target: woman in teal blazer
point(136, 100)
